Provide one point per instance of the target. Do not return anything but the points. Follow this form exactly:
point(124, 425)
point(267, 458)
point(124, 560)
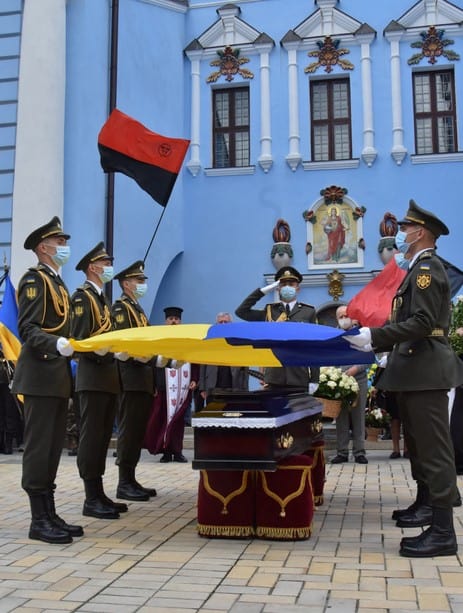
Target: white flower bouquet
point(334, 384)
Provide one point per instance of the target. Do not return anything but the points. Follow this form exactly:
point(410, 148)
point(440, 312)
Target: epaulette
point(117, 306)
point(304, 304)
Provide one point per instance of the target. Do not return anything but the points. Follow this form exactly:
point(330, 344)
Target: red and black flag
point(151, 159)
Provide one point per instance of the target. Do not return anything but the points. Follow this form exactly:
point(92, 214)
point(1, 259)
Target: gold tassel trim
point(283, 502)
point(225, 500)
point(284, 534)
point(230, 531)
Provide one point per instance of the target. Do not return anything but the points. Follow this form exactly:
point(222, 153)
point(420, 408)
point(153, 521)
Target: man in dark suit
point(97, 382)
point(43, 377)
point(421, 368)
point(212, 378)
point(137, 381)
point(287, 282)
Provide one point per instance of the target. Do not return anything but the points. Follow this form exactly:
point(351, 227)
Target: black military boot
point(94, 506)
point(42, 527)
point(438, 540)
point(420, 516)
point(422, 496)
point(119, 507)
point(147, 490)
point(127, 488)
point(56, 519)
point(8, 443)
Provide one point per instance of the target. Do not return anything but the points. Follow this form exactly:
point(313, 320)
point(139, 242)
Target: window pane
point(443, 92)
point(319, 101)
point(446, 135)
point(222, 157)
point(424, 136)
point(340, 101)
point(241, 109)
point(320, 144)
point(242, 149)
point(221, 110)
point(341, 142)
point(422, 94)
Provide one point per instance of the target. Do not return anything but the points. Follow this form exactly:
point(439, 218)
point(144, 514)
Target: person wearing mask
point(97, 382)
point(175, 382)
point(43, 377)
point(421, 369)
point(352, 416)
point(287, 309)
point(222, 378)
point(137, 382)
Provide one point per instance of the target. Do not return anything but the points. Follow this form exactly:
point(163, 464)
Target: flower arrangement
point(336, 385)
point(376, 417)
point(456, 323)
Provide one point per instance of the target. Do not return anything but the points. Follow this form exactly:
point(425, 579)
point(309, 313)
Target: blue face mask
point(401, 241)
point(287, 293)
point(401, 261)
point(62, 255)
point(140, 290)
point(107, 274)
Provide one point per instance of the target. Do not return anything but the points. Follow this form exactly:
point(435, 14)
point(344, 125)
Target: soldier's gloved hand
point(161, 361)
point(143, 360)
point(122, 356)
point(313, 387)
point(103, 351)
point(268, 288)
point(382, 363)
point(64, 347)
point(360, 341)
point(176, 364)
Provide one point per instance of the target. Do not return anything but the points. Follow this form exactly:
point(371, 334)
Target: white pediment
point(327, 21)
point(431, 13)
point(240, 33)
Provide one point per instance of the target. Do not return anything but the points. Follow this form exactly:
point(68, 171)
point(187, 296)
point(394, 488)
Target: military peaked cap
point(137, 270)
point(288, 273)
point(421, 217)
point(173, 312)
point(97, 253)
point(51, 229)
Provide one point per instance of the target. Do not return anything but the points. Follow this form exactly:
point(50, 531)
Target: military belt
point(438, 332)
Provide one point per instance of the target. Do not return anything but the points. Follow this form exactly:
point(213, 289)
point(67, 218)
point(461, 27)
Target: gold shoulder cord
point(105, 319)
point(138, 318)
point(60, 302)
point(268, 314)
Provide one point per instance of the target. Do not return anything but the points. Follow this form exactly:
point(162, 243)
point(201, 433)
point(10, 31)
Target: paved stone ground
point(151, 559)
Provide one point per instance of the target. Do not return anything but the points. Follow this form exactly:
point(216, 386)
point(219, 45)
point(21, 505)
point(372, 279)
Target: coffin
point(254, 430)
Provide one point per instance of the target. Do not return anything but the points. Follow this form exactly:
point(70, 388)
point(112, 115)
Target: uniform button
point(45, 355)
point(410, 351)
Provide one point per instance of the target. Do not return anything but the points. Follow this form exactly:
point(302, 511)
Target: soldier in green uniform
point(287, 281)
point(421, 368)
point(137, 381)
point(43, 377)
point(97, 382)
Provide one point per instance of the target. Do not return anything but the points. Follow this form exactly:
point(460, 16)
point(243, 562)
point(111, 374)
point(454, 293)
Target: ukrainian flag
point(9, 335)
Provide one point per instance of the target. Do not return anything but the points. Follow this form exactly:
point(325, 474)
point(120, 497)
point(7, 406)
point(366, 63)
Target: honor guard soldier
point(97, 382)
point(421, 368)
point(287, 282)
point(137, 382)
point(43, 377)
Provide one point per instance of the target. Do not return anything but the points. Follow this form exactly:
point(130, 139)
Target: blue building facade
point(309, 121)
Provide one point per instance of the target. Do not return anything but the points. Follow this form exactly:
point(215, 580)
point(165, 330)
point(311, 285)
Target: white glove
point(103, 351)
point(382, 362)
point(143, 360)
point(176, 364)
point(64, 347)
point(268, 288)
point(313, 387)
point(161, 361)
point(122, 356)
point(361, 339)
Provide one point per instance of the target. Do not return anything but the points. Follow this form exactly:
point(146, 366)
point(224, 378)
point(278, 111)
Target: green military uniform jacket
point(44, 314)
point(291, 376)
point(421, 357)
point(135, 376)
point(92, 316)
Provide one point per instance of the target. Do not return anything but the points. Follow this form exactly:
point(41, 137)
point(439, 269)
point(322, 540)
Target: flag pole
point(154, 234)
point(109, 239)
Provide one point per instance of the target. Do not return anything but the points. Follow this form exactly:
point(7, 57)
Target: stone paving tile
point(152, 560)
